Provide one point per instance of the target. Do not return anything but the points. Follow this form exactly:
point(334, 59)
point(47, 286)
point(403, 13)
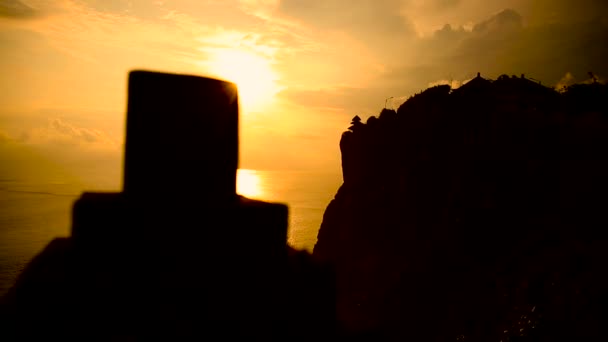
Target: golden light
point(255, 79)
point(248, 183)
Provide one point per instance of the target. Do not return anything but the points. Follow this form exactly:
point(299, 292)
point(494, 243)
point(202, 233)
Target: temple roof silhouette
point(476, 83)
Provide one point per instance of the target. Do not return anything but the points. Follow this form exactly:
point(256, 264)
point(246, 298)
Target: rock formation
point(475, 214)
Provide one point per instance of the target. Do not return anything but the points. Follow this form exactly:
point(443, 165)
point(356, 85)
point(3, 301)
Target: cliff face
point(474, 214)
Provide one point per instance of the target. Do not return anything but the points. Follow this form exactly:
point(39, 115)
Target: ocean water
point(34, 210)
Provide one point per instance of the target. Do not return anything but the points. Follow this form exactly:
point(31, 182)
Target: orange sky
point(304, 68)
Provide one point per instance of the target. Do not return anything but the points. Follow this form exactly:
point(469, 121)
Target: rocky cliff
point(475, 214)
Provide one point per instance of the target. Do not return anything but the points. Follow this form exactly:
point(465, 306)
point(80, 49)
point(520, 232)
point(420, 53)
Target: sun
point(253, 75)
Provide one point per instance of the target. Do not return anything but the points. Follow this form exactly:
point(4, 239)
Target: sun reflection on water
point(249, 184)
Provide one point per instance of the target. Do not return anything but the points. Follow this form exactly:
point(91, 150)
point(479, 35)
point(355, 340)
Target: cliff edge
point(475, 214)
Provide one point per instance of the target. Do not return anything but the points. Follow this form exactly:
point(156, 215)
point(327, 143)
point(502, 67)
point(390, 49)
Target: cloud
point(503, 21)
point(475, 36)
point(59, 132)
point(104, 33)
point(565, 81)
point(334, 57)
point(16, 9)
point(454, 84)
point(502, 43)
point(263, 9)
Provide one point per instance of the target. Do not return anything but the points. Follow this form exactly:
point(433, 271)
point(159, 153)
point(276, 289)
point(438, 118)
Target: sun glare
point(255, 79)
point(248, 183)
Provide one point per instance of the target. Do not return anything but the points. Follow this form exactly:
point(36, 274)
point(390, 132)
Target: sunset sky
point(304, 67)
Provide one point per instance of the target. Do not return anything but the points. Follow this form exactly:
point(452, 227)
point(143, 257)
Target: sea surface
point(34, 210)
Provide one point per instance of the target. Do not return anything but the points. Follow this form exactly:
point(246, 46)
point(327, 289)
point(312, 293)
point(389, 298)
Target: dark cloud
point(568, 11)
point(499, 44)
point(507, 19)
point(446, 38)
point(16, 9)
point(503, 44)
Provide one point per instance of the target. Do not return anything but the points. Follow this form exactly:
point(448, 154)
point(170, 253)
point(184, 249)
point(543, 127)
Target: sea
point(35, 210)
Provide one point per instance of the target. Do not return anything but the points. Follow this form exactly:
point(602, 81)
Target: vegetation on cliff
point(475, 214)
